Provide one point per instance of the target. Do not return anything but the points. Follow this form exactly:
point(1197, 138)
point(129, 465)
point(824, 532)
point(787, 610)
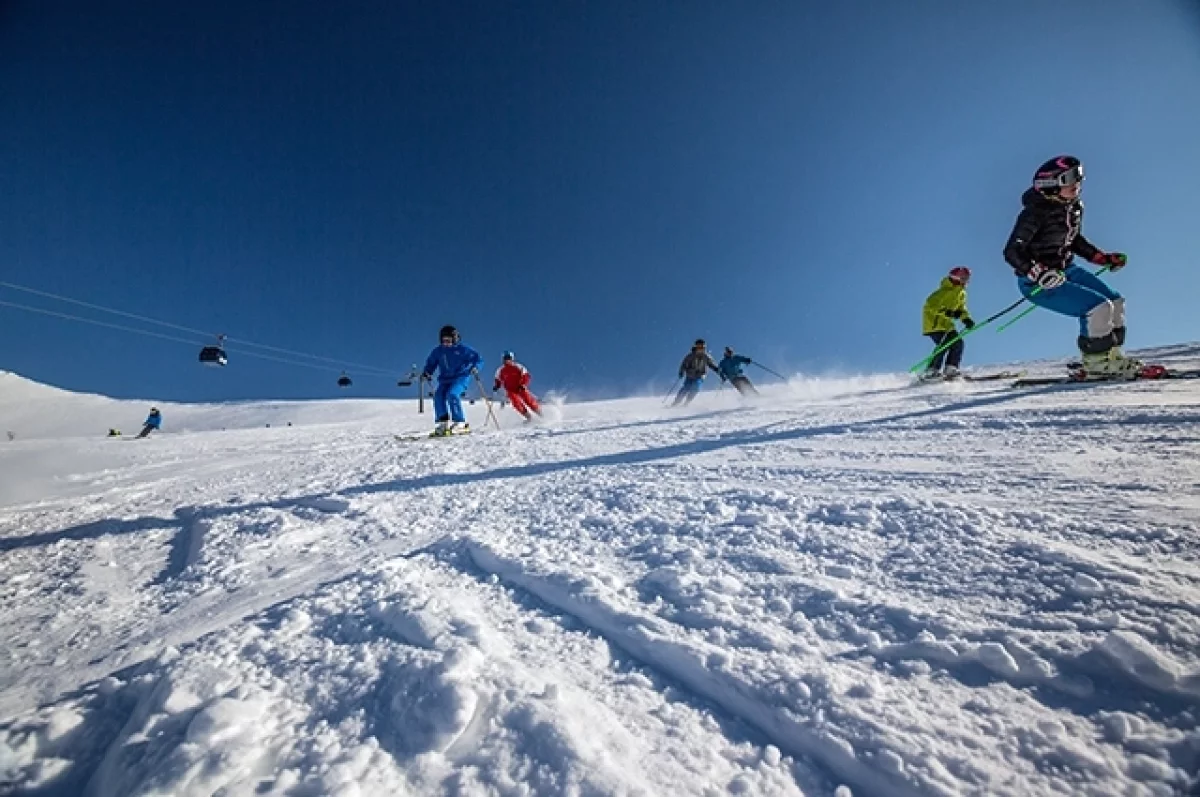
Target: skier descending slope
point(515, 379)
point(153, 423)
point(731, 368)
point(1042, 249)
point(692, 371)
point(455, 363)
point(943, 307)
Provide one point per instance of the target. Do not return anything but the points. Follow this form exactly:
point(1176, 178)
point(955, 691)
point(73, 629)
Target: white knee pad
point(1101, 319)
point(1118, 306)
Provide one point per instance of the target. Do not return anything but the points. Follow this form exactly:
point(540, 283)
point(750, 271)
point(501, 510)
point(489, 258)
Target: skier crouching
point(515, 379)
point(1042, 247)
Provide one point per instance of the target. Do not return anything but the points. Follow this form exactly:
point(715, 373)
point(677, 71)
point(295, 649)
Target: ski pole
point(769, 371)
point(1033, 293)
point(948, 343)
point(486, 401)
point(671, 392)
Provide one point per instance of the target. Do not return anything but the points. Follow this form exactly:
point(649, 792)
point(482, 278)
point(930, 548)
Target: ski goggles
point(1072, 176)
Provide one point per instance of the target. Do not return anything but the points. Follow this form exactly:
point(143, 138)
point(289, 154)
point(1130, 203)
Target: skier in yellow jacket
point(943, 307)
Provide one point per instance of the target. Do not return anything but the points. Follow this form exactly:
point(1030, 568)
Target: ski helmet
point(699, 344)
point(508, 355)
point(449, 331)
point(1057, 173)
point(729, 350)
point(960, 274)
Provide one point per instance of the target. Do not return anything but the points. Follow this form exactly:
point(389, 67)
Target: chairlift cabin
point(344, 381)
point(214, 355)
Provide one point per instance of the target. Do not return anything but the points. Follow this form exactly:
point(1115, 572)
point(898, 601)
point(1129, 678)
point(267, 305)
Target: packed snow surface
point(854, 586)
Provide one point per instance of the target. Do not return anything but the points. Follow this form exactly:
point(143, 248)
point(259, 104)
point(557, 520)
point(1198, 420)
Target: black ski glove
point(968, 323)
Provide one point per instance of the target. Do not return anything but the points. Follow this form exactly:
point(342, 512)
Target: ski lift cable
point(162, 336)
point(121, 327)
point(243, 343)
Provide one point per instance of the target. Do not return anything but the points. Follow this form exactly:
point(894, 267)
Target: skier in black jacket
point(1042, 249)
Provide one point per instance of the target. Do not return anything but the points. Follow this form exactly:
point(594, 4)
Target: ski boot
point(1112, 364)
point(951, 372)
point(930, 375)
point(459, 427)
point(441, 430)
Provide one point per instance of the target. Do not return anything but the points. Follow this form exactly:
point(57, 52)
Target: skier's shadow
point(760, 436)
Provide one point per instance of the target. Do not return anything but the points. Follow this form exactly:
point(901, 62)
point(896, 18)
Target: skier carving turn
point(1042, 248)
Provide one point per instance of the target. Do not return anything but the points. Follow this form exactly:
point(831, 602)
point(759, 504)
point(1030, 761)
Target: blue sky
point(591, 184)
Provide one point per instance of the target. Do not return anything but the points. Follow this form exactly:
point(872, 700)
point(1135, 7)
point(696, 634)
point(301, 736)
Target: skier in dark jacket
point(731, 368)
point(1042, 249)
point(693, 370)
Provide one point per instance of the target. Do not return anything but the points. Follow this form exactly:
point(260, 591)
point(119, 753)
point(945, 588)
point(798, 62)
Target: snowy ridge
point(856, 586)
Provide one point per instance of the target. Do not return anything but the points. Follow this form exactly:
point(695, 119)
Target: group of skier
point(456, 364)
point(1041, 250)
point(695, 367)
point(1046, 239)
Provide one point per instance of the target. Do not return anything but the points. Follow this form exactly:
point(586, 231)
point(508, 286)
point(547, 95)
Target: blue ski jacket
point(732, 366)
point(154, 420)
point(452, 362)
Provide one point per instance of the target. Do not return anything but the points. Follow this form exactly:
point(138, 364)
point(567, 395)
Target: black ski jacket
point(1047, 232)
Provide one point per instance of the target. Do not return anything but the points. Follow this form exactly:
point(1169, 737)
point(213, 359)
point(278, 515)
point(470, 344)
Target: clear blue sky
point(591, 184)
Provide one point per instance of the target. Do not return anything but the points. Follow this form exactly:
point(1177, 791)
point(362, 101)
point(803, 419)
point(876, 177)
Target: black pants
point(952, 355)
point(743, 386)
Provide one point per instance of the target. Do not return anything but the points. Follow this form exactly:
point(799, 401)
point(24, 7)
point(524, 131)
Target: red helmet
point(960, 274)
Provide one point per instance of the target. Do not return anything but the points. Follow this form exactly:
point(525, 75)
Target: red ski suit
point(515, 378)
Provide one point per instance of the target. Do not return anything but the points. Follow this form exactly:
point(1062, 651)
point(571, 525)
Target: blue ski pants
point(1100, 309)
point(447, 400)
point(688, 392)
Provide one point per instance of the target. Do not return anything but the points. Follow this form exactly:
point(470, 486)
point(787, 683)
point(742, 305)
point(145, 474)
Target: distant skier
point(455, 364)
point(693, 370)
point(1042, 247)
point(515, 379)
point(153, 423)
point(731, 368)
point(942, 308)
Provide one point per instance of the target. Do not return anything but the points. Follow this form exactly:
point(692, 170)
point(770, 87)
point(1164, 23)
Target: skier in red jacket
point(515, 379)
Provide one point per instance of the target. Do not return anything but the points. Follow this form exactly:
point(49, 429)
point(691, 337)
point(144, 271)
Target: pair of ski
point(1147, 373)
point(412, 438)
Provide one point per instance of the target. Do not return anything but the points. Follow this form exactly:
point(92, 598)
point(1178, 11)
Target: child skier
point(515, 379)
point(944, 306)
point(153, 423)
point(731, 367)
point(455, 363)
point(692, 371)
point(1042, 249)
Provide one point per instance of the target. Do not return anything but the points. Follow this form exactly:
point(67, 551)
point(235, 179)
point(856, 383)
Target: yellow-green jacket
point(944, 305)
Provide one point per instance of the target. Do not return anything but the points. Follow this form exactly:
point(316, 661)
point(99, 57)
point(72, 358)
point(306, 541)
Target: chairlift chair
point(344, 381)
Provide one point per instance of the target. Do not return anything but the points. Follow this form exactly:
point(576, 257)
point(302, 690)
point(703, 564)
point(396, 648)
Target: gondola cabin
point(213, 355)
point(344, 381)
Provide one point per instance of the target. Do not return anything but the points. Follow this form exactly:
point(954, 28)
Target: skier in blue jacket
point(153, 422)
point(732, 368)
point(455, 363)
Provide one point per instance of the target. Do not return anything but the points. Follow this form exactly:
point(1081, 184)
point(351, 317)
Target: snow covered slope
point(854, 586)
